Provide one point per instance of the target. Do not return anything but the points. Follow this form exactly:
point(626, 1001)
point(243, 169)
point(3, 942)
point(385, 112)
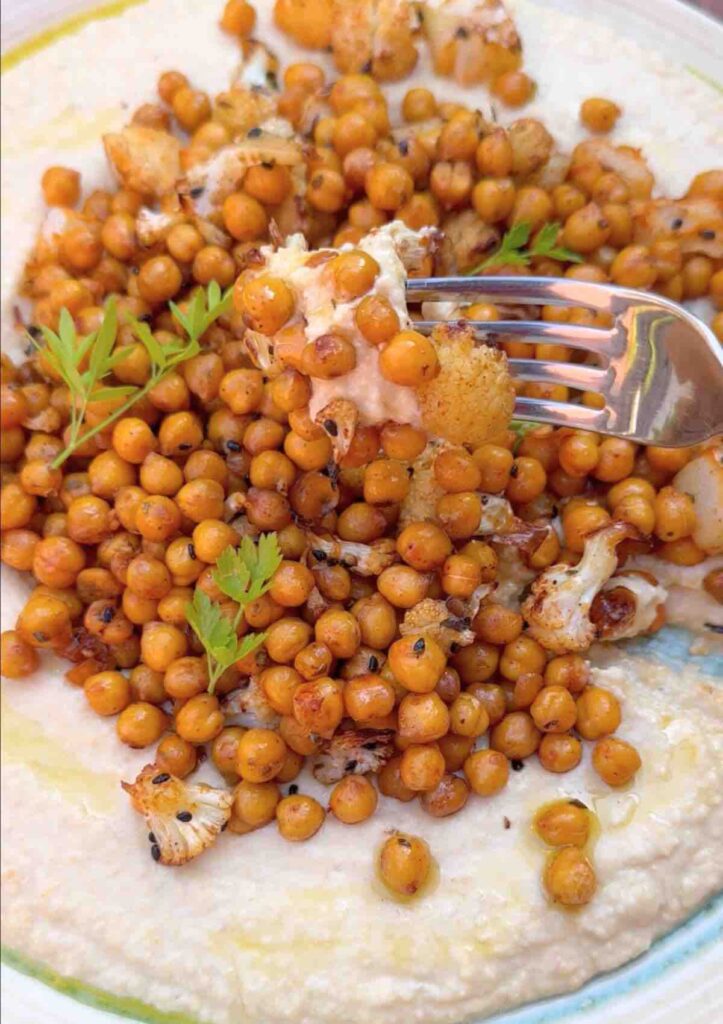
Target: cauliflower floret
point(365, 659)
point(627, 605)
point(702, 479)
point(557, 609)
point(184, 818)
point(152, 225)
point(424, 491)
point(696, 224)
point(250, 706)
point(472, 42)
point(434, 618)
point(375, 36)
point(354, 752)
point(363, 559)
point(472, 398)
point(339, 419)
point(467, 240)
point(145, 160)
point(624, 161)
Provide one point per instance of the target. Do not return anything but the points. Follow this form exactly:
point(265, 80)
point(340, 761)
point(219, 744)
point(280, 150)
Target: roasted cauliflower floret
point(557, 609)
point(702, 479)
point(250, 706)
point(375, 36)
point(696, 224)
point(472, 398)
point(433, 618)
point(473, 42)
point(467, 241)
point(184, 818)
point(362, 559)
point(339, 421)
point(627, 605)
point(624, 161)
point(424, 491)
point(354, 752)
point(145, 160)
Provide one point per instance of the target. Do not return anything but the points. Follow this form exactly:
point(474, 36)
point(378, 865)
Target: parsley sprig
point(243, 574)
point(66, 353)
point(514, 250)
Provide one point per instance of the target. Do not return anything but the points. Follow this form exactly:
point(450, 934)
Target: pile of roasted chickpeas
point(118, 537)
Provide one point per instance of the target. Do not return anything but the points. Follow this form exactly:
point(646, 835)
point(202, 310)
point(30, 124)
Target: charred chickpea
point(361, 522)
point(224, 751)
point(476, 663)
point(468, 716)
point(616, 458)
point(377, 621)
point(312, 661)
point(527, 479)
point(424, 546)
point(265, 301)
point(328, 356)
point(279, 683)
point(598, 713)
point(456, 470)
point(448, 797)
point(327, 190)
point(367, 697)
point(615, 761)
point(242, 390)
point(200, 719)
point(404, 864)
point(570, 878)
point(522, 655)
point(299, 817)
point(353, 799)
point(186, 677)
point(563, 823)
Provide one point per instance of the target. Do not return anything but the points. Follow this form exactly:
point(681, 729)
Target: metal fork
point(660, 369)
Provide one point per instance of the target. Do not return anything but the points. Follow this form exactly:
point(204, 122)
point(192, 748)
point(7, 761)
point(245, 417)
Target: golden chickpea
point(417, 662)
point(318, 705)
point(353, 799)
point(570, 878)
point(17, 658)
point(554, 709)
point(674, 514)
point(460, 576)
point(423, 717)
point(255, 803)
point(388, 186)
point(493, 199)
point(402, 585)
point(468, 716)
point(339, 631)
point(493, 155)
point(368, 696)
point(580, 521)
point(598, 713)
point(599, 115)
point(108, 693)
point(568, 670)
point(487, 771)
point(161, 644)
point(616, 458)
point(409, 359)
point(61, 186)
point(328, 356)
point(516, 736)
point(563, 823)
point(57, 561)
point(422, 767)
point(404, 864)
point(191, 107)
point(447, 798)
point(200, 719)
point(159, 279)
point(476, 662)
point(423, 546)
point(299, 817)
point(559, 752)
point(176, 756)
point(615, 761)
point(390, 782)
point(522, 655)
point(261, 755)
point(633, 267)
point(141, 724)
point(418, 105)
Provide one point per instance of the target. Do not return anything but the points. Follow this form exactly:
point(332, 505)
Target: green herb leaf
point(216, 632)
point(245, 573)
point(514, 249)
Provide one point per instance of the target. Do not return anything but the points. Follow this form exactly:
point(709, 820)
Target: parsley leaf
point(515, 250)
point(244, 574)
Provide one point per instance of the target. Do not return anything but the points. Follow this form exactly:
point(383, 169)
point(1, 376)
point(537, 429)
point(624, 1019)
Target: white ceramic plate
point(679, 980)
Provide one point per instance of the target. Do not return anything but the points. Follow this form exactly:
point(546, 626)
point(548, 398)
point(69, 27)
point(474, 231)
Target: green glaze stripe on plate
point(98, 998)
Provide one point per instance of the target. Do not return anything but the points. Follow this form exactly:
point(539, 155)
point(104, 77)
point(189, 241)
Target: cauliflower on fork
point(183, 818)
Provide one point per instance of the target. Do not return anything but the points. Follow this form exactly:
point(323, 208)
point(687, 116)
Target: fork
point(660, 368)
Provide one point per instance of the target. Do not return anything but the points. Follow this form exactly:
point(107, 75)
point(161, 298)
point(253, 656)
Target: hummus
point(260, 933)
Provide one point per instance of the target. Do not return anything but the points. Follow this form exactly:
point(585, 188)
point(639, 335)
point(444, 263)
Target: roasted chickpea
point(318, 705)
point(367, 697)
point(161, 644)
point(402, 585)
point(255, 803)
point(570, 878)
point(140, 724)
point(176, 756)
point(554, 709)
point(615, 761)
point(516, 736)
point(417, 661)
point(353, 799)
point(568, 670)
point(559, 752)
point(598, 713)
point(423, 718)
point(390, 782)
point(299, 817)
point(599, 115)
point(563, 823)
point(487, 771)
point(108, 693)
point(17, 657)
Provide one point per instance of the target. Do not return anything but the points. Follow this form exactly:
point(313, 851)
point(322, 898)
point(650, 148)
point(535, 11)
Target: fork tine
point(573, 375)
point(544, 291)
point(580, 417)
point(592, 339)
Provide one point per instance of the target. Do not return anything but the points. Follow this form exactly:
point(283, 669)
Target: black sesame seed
point(191, 551)
point(707, 233)
point(676, 223)
point(577, 803)
point(184, 816)
point(373, 663)
point(107, 615)
point(268, 165)
point(233, 446)
point(156, 852)
point(145, 318)
point(403, 146)
point(506, 821)
point(462, 33)
point(272, 79)
point(151, 837)
point(318, 554)
point(366, 67)
point(517, 766)
point(184, 446)
point(410, 470)
point(253, 133)
point(419, 646)
point(224, 826)
point(370, 745)
point(331, 428)
point(350, 766)
point(713, 627)
point(453, 648)
point(157, 780)
point(34, 332)
point(404, 842)
point(514, 470)
point(197, 192)
point(293, 789)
